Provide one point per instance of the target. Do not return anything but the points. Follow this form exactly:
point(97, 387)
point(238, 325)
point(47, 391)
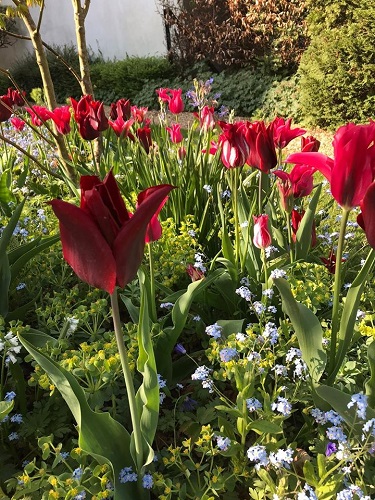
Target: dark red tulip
point(234, 144)
point(16, 97)
point(309, 144)
point(154, 229)
point(121, 108)
point(90, 117)
point(366, 219)
point(144, 136)
point(5, 108)
point(296, 221)
point(101, 241)
point(353, 168)
point(262, 148)
point(282, 133)
point(194, 273)
point(330, 262)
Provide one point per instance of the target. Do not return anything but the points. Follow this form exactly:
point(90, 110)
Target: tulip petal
point(154, 229)
point(319, 161)
point(129, 245)
point(84, 247)
point(366, 219)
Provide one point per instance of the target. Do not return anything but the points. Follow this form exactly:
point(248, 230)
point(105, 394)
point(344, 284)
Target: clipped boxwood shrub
point(338, 72)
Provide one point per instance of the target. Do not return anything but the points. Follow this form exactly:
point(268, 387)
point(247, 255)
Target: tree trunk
point(80, 14)
point(48, 87)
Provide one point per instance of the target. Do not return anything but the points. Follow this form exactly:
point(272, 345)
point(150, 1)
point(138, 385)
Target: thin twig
point(35, 160)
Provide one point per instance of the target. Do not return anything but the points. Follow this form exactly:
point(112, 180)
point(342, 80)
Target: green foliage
point(113, 80)
point(281, 99)
point(337, 70)
point(26, 73)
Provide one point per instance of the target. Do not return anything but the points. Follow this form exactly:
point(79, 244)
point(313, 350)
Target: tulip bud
point(262, 236)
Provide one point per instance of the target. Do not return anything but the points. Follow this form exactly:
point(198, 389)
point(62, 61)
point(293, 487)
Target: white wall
point(115, 27)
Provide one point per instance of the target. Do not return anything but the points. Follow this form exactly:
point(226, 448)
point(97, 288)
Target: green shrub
point(338, 70)
point(113, 80)
point(281, 99)
point(26, 73)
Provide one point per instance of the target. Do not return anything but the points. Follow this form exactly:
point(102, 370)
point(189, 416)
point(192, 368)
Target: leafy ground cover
point(210, 337)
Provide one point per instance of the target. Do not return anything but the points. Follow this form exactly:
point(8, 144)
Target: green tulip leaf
point(370, 384)
point(180, 311)
point(264, 427)
point(147, 396)
point(27, 252)
point(339, 401)
point(99, 434)
point(5, 408)
point(308, 331)
point(303, 236)
point(349, 315)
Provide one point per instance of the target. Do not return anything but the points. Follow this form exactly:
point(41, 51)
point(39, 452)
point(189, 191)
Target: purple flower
point(330, 449)
point(180, 349)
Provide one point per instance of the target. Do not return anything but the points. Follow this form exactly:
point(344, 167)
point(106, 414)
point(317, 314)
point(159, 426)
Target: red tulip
point(214, 146)
point(17, 123)
point(5, 108)
point(144, 136)
point(175, 103)
point(297, 184)
point(175, 133)
point(181, 153)
point(61, 116)
point(138, 114)
point(122, 128)
point(101, 242)
point(163, 94)
point(90, 117)
point(206, 118)
point(262, 236)
point(121, 108)
point(154, 229)
point(234, 144)
point(174, 99)
point(194, 273)
point(330, 263)
point(16, 97)
point(262, 148)
point(366, 219)
point(309, 144)
point(39, 115)
point(282, 133)
point(296, 221)
point(353, 169)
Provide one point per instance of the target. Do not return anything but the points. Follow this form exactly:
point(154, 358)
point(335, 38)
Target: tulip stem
point(152, 283)
point(289, 229)
point(235, 172)
point(135, 418)
point(96, 169)
point(265, 270)
point(336, 290)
